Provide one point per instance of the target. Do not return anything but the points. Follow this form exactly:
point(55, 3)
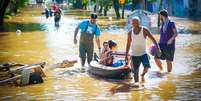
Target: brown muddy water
point(53, 45)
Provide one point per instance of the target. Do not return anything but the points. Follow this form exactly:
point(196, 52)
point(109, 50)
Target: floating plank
point(13, 79)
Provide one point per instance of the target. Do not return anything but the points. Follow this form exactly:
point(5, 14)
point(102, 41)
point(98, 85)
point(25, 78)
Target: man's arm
point(128, 45)
point(98, 42)
point(148, 33)
point(75, 34)
point(97, 34)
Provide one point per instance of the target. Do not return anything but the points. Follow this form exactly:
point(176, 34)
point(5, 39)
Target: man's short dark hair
point(94, 16)
point(164, 13)
point(105, 42)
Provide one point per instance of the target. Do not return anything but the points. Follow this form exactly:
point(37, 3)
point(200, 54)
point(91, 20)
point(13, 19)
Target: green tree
point(4, 5)
point(77, 4)
point(85, 3)
point(123, 2)
point(104, 6)
point(116, 6)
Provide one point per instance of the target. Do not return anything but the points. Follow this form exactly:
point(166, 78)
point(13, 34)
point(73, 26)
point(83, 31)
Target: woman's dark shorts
point(167, 52)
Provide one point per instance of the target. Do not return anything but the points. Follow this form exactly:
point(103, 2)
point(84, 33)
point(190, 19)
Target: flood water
point(52, 45)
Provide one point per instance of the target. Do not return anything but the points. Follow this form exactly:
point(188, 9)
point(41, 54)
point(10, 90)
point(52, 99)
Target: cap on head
point(164, 13)
point(94, 16)
point(136, 18)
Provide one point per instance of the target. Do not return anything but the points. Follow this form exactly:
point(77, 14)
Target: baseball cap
point(136, 18)
point(94, 16)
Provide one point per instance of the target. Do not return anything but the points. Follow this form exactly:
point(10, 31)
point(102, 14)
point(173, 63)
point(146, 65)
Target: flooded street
point(41, 41)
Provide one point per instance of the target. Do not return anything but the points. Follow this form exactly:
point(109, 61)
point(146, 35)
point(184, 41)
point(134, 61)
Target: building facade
point(181, 8)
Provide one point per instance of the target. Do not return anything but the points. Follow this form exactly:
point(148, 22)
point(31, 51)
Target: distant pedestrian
point(46, 13)
point(57, 16)
point(50, 12)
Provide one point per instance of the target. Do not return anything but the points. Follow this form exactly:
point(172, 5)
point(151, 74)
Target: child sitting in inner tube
point(108, 55)
point(104, 53)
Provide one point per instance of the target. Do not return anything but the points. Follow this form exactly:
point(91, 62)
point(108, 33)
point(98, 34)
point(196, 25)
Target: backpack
point(57, 13)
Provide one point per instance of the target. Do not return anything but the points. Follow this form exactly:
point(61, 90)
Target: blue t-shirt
point(91, 27)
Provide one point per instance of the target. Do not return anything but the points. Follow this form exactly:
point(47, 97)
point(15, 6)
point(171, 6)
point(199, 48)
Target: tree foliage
point(15, 4)
point(3, 6)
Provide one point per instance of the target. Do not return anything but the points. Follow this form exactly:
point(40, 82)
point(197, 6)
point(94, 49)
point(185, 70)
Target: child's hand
point(126, 60)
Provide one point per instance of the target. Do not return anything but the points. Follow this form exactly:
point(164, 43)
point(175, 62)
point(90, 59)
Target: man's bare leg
point(144, 72)
point(159, 64)
point(83, 61)
point(169, 66)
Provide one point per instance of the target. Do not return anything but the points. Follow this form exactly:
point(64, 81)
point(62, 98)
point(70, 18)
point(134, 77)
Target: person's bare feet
point(132, 81)
point(142, 79)
point(135, 85)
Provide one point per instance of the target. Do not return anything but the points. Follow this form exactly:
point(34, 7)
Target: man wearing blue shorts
point(89, 29)
point(137, 42)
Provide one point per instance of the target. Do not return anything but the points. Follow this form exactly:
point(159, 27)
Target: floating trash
point(18, 32)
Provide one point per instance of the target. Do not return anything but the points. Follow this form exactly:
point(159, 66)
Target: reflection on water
point(25, 27)
point(54, 45)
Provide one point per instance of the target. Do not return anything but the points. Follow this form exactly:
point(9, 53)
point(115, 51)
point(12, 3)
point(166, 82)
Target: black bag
point(35, 78)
